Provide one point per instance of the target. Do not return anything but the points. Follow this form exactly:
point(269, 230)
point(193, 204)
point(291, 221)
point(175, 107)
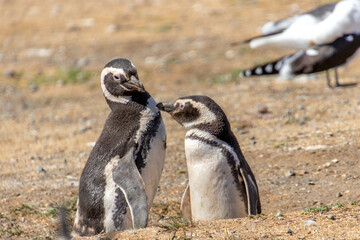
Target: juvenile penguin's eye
point(182, 106)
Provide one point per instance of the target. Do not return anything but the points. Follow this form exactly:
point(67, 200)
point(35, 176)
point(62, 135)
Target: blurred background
point(301, 138)
point(38, 38)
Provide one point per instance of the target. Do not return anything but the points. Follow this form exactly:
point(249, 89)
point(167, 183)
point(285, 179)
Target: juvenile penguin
point(221, 183)
point(120, 178)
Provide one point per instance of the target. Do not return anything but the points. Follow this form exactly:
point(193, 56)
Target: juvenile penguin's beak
point(166, 107)
point(135, 83)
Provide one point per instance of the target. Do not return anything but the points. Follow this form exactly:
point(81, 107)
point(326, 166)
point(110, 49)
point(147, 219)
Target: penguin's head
point(195, 112)
point(119, 80)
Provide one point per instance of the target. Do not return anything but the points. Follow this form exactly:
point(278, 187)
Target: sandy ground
point(304, 152)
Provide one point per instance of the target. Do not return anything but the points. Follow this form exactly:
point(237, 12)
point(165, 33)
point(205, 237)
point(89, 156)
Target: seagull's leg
point(328, 79)
point(337, 84)
point(336, 78)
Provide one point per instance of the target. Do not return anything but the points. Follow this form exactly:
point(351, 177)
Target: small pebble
point(262, 109)
point(112, 28)
point(331, 217)
point(302, 121)
point(84, 129)
point(309, 222)
point(290, 173)
point(33, 87)
point(335, 160)
point(288, 111)
point(244, 131)
point(290, 231)
point(307, 180)
point(328, 164)
point(10, 73)
point(339, 194)
point(330, 134)
point(41, 169)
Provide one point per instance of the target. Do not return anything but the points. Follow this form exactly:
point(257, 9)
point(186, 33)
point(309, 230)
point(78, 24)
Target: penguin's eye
point(182, 106)
point(116, 77)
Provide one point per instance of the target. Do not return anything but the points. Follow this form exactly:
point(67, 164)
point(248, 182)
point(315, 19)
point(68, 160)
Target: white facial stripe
point(109, 195)
point(107, 94)
point(206, 116)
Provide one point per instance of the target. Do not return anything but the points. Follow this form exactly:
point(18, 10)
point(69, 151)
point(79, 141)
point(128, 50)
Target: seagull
point(321, 25)
point(314, 59)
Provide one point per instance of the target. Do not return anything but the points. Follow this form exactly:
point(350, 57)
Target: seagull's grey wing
point(128, 178)
point(322, 11)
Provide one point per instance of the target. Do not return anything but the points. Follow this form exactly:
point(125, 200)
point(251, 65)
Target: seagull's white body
point(302, 31)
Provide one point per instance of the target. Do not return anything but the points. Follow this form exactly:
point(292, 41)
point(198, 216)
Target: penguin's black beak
point(166, 107)
point(135, 84)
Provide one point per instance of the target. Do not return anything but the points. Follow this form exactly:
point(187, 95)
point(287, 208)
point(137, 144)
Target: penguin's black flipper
point(252, 190)
point(186, 204)
point(128, 178)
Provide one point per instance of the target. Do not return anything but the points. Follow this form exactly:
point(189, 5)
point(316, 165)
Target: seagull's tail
point(269, 68)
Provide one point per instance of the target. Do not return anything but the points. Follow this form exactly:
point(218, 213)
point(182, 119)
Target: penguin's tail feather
point(63, 224)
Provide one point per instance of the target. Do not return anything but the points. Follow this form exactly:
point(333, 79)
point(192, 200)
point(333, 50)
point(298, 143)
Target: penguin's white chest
point(213, 191)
